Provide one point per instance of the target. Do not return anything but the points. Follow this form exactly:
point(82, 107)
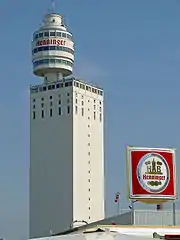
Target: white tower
point(66, 137)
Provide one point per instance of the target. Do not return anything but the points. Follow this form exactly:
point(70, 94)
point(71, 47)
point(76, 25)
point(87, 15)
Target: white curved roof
point(96, 236)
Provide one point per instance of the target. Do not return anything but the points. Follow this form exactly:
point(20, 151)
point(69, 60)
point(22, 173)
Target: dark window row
point(50, 103)
point(50, 87)
point(82, 102)
point(50, 112)
point(60, 113)
point(52, 61)
point(94, 114)
point(53, 48)
point(88, 88)
point(52, 34)
point(36, 89)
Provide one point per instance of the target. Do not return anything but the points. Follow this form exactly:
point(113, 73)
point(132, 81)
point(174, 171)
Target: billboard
point(151, 174)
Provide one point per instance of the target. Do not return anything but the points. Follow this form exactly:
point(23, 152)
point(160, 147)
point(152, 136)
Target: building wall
point(162, 218)
point(88, 152)
point(142, 218)
point(51, 166)
point(66, 172)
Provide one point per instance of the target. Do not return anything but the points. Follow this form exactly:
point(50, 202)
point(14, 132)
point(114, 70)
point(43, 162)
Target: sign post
point(174, 213)
point(132, 212)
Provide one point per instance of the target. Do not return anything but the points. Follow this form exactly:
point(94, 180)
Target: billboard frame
point(151, 197)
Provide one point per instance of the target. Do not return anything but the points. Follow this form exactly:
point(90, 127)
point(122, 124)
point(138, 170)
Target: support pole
point(118, 206)
point(132, 212)
point(174, 213)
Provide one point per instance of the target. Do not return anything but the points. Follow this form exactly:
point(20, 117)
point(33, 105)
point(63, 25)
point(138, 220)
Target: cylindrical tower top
point(53, 20)
point(52, 49)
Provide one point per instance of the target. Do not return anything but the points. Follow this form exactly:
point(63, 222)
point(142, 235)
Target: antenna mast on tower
point(53, 5)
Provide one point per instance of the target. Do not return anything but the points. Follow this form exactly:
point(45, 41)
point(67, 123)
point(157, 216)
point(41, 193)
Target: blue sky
point(130, 48)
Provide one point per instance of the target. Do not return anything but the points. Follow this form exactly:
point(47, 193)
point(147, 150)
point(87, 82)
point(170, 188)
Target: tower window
point(50, 97)
point(89, 217)
point(82, 103)
point(46, 34)
point(89, 189)
point(100, 117)
point(88, 88)
point(82, 111)
point(68, 109)
point(42, 105)
point(68, 100)
point(68, 94)
point(34, 106)
point(100, 109)
point(59, 102)
point(40, 89)
point(76, 100)
point(34, 100)
point(50, 112)
point(40, 34)
point(51, 103)
point(34, 115)
point(68, 84)
point(42, 99)
point(64, 35)
point(89, 144)
point(42, 114)
point(58, 34)
point(53, 34)
point(76, 109)
point(89, 135)
point(59, 110)
point(89, 153)
point(94, 115)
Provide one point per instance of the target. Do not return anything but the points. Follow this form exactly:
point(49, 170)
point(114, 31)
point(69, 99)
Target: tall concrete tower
point(66, 136)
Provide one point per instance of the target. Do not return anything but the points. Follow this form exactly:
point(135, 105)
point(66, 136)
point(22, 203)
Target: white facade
point(66, 156)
